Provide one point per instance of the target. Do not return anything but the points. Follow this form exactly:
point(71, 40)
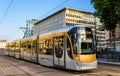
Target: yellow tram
point(68, 47)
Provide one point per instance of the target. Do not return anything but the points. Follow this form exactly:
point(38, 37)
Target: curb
point(110, 63)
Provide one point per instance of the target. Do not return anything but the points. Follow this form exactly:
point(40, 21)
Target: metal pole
point(95, 36)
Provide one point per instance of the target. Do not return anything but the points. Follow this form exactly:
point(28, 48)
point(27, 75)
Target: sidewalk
point(106, 61)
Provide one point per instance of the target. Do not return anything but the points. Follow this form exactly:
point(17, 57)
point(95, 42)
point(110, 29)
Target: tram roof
point(61, 29)
point(56, 30)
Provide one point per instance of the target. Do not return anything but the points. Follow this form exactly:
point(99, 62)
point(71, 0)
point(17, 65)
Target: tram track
point(31, 69)
point(12, 66)
point(20, 63)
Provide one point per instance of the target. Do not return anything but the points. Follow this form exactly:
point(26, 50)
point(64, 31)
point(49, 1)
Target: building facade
point(64, 17)
point(100, 36)
point(2, 44)
point(112, 45)
point(69, 16)
point(29, 26)
point(113, 39)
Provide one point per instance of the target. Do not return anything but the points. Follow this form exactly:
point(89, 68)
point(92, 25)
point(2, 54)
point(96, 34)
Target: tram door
point(59, 57)
point(33, 51)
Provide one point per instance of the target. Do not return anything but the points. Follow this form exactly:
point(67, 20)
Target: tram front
point(83, 48)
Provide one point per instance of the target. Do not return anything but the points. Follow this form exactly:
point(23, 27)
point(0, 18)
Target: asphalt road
point(10, 66)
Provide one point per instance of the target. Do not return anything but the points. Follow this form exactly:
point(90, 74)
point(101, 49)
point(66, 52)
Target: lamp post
point(95, 34)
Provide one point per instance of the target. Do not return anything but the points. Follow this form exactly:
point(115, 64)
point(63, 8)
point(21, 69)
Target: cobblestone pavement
point(14, 67)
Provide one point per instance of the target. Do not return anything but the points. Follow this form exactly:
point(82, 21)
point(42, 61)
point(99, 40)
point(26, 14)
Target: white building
point(64, 17)
point(69, 16)
point(2, 44)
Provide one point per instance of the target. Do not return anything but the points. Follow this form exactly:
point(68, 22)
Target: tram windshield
point(82, 40)
point(87, 42)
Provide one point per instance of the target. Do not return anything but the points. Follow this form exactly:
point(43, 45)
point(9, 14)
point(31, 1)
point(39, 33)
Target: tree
point(117, 8)
point(109, 13)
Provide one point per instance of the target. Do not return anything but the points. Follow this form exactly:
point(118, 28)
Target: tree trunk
point(114, 43)
point(110, 33)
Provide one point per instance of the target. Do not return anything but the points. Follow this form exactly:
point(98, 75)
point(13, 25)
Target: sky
point(15, 15)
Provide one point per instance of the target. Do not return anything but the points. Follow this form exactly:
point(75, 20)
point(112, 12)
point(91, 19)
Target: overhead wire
point(54, 8)
point(41, 16)
point(6, 11)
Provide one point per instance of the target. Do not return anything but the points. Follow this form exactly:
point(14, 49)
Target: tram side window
point(7, 47)
point(28, 47)
point(49, 47)
point(41, 47)
point(69, 51)
point(22, 46)
point(33, 46)
point(17, 47)
point(46, 47)
point(12, 47)
point(58, 44)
